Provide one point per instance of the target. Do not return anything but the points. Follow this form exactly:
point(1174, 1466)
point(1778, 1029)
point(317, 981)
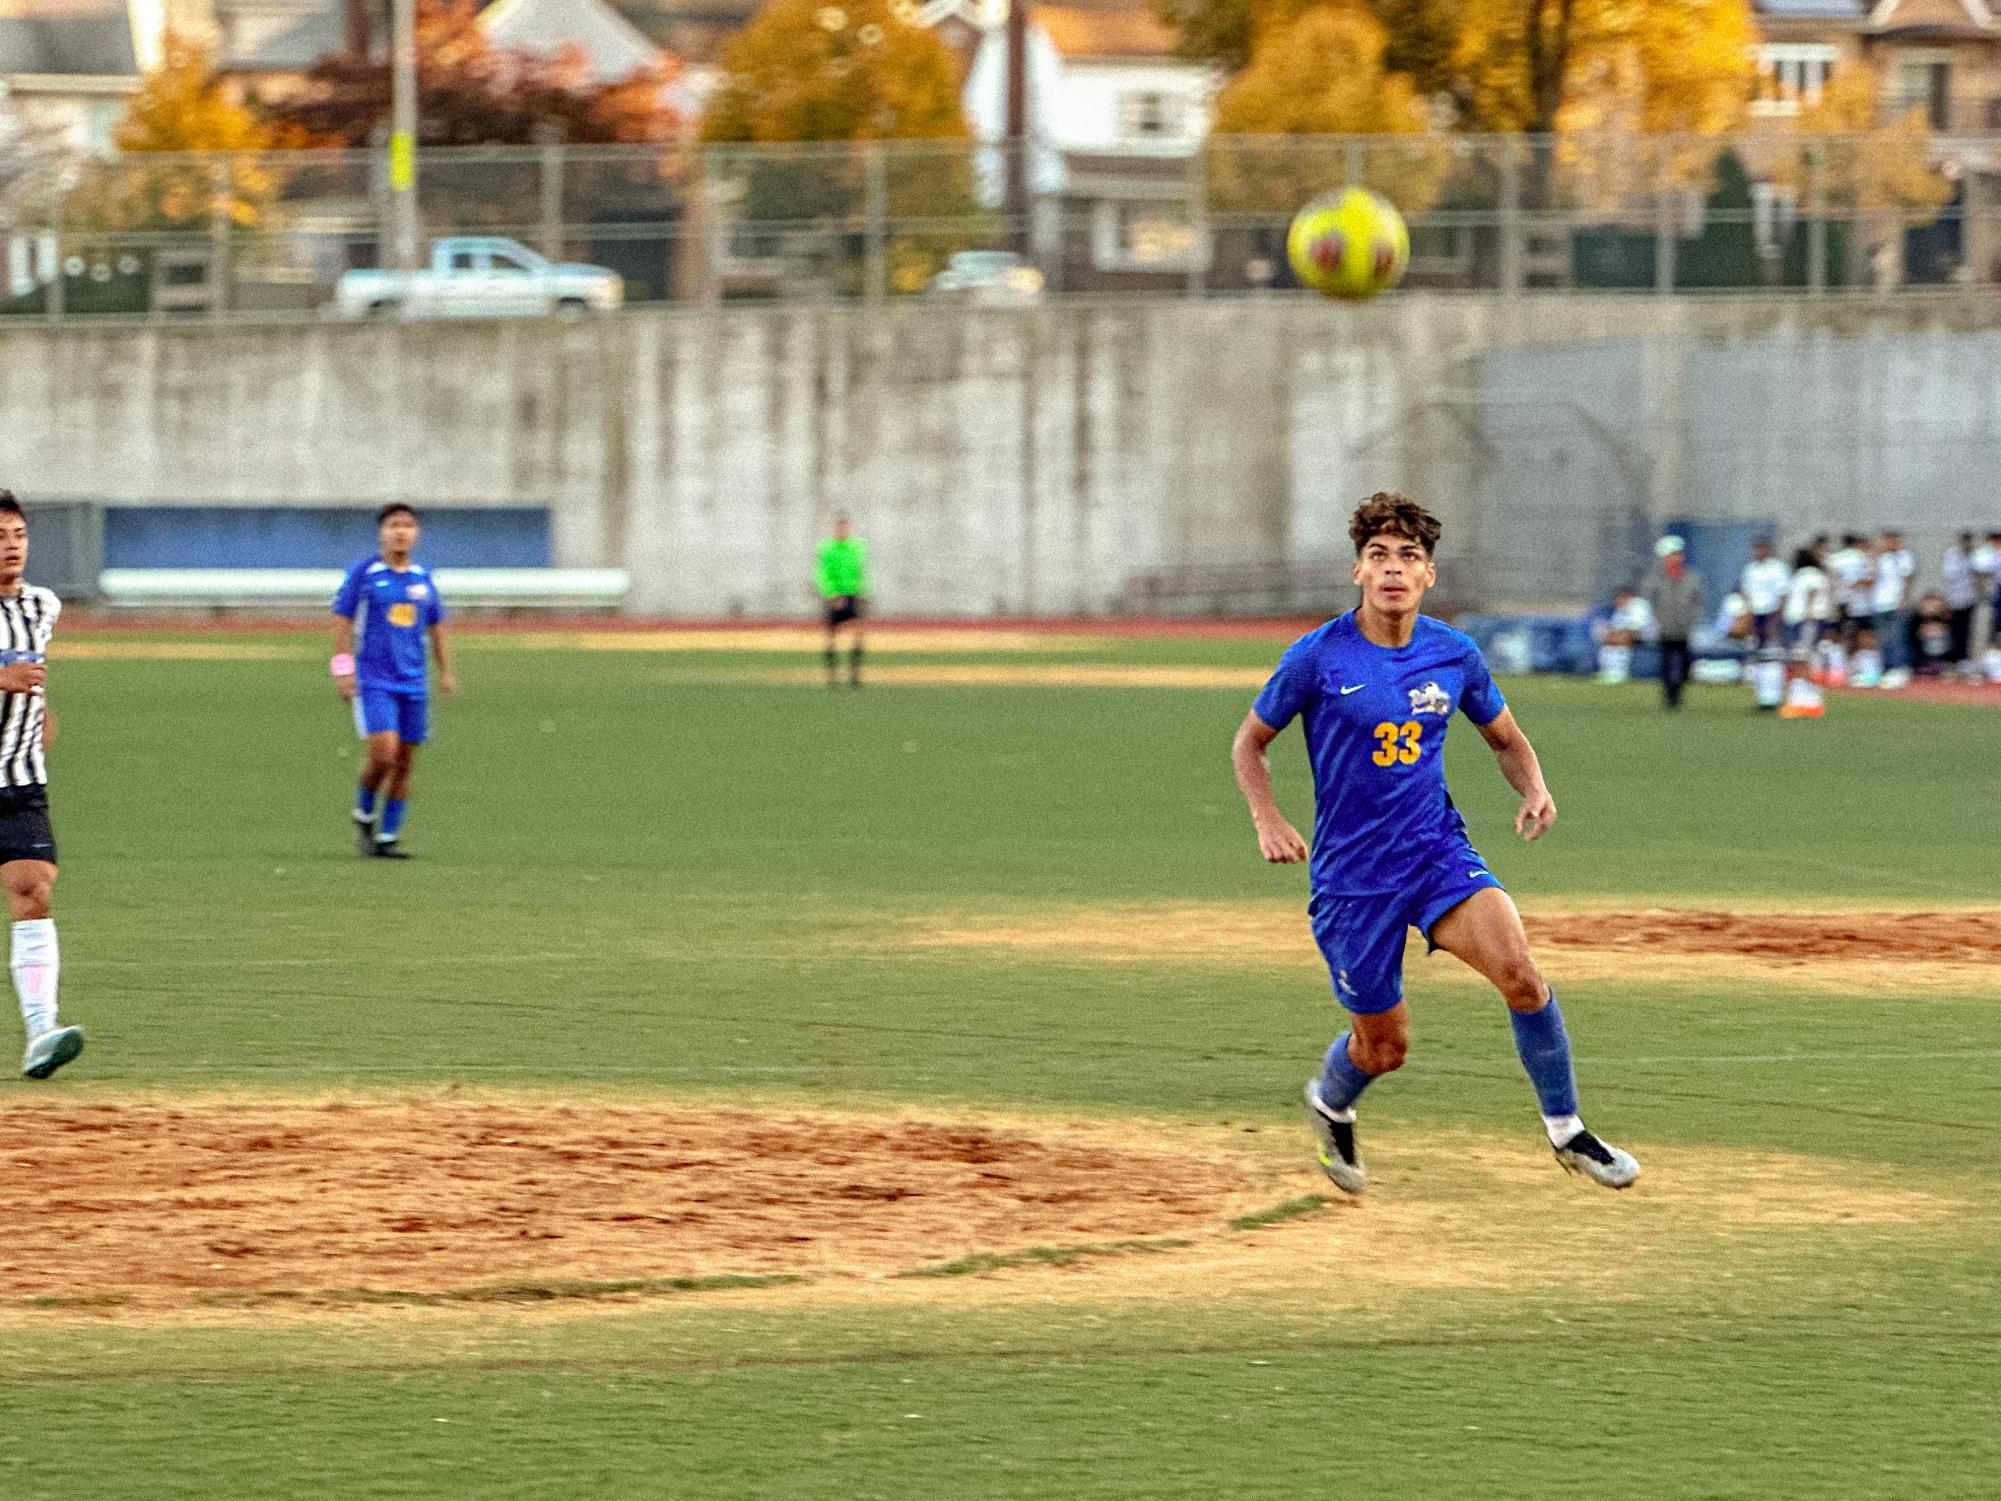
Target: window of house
point(1793, 73)
point(1925, 83)
point(1147, 113)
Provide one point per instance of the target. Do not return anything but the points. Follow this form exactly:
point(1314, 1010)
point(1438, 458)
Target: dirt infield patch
point(805, 640)
point(1919, 950)
point(170, 1205)
point(1041, 675)
point(89, 650)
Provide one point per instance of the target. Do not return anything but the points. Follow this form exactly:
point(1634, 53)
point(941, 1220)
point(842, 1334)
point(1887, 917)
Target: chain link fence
point(270, 235)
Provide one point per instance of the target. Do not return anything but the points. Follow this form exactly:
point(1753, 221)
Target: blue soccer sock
point(1341, 1082)
point(392, 820)
point(1544, 1046)
point(364, 804)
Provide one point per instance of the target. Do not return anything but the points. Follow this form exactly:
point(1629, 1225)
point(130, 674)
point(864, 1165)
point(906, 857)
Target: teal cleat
point(50, 1051)
point(1334, 1145)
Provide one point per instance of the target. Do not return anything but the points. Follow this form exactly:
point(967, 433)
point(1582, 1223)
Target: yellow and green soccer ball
point(1349, 244)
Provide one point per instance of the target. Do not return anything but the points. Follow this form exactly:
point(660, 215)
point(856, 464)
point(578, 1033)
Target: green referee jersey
point(843, 568)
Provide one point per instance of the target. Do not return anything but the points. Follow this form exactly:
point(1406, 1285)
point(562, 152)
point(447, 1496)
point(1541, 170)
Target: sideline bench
point(289, 588)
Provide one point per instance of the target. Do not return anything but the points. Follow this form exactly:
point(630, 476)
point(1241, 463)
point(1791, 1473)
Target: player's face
point(1394, 573)
point(13, 546)
point(398, 533)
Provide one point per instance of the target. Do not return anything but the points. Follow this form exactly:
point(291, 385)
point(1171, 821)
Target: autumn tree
point(181, 108)
point(1322, 72)
point(807, 71)
point(472, 91)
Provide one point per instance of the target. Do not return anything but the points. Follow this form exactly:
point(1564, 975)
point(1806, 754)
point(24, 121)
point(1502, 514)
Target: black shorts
point(25, 833)
point(841, 609)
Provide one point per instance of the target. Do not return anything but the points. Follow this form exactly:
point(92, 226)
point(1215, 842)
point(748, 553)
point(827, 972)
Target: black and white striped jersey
point(27, 620)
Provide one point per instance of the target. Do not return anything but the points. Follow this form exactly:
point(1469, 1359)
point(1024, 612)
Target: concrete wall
point(1033, 461)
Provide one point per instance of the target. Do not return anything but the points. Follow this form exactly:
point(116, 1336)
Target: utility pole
point(1015, 203)
point(403, 134)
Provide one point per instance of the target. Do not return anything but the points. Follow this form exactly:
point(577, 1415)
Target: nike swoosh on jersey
point(1356, 689)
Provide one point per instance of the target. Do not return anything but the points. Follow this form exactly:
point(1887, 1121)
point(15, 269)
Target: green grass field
point(662, 879)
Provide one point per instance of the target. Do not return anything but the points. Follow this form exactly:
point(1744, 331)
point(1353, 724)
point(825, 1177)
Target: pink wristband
point(342, 665)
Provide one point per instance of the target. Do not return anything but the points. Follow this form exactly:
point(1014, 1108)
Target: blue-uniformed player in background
point(1376, 689)
point(386, 608)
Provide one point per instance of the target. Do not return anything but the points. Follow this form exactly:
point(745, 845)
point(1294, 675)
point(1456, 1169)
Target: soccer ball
point(1350, 244)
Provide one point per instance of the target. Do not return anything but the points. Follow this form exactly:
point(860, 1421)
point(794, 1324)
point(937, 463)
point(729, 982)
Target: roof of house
point(614, 47)
point(72, 38)
point(296, 48)
point(1105, 31)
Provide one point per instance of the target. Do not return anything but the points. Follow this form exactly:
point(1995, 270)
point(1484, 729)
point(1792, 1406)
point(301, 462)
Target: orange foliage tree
point(811, 71)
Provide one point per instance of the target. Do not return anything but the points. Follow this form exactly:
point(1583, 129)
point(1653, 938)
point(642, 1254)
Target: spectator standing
point(1809, 613)
point(1986, 579)
point(1763, 585)
point(1891, 600)
point(1962, 593)
point(1852, 572)
point(1674, 594)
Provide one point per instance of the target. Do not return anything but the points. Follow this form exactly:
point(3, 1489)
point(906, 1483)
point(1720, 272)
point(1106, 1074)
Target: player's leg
point(1362, 940)
point(1485, 932)
point(37, 965)
point(412, 730)
point(835, 615)
point(375, 724)
point(855, 644)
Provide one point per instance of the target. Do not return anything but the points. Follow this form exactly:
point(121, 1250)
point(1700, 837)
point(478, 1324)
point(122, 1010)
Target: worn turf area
point(669, 909)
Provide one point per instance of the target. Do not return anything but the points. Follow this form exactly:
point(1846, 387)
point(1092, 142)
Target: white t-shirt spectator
point(1962, 592)
point(1764, 585)
point(1809, 597)
point(1892, 584)
point(1986, 557)
point(1852, 573)
point(1635, 615)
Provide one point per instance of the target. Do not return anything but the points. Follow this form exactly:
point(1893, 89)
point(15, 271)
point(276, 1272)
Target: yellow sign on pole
point(402, 161)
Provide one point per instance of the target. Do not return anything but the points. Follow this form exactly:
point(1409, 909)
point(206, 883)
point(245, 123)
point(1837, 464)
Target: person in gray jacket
point(1676, 596)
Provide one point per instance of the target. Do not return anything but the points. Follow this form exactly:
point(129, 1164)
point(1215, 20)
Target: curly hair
point(1388, 514)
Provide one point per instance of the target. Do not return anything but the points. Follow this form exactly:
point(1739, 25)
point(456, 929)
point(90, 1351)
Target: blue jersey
point(1375, 719)
point(391, 611)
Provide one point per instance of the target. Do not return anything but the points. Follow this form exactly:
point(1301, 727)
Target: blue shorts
point(1362, 937)
point(379, 709)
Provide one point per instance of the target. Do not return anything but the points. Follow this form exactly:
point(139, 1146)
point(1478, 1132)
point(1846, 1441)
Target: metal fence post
point(1198, 222)
point(875, 230)
point(220, 222)
point(1972, 211)
point(56, 295)
point(714, 232)
point(1816, 225)
point(1512, 277)
point(552, 200)
point(1664, 228)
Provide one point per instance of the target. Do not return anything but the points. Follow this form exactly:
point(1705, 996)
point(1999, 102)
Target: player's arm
point(343, 655)
point(1278, 841)
point(448, 684)
point(1524, 773)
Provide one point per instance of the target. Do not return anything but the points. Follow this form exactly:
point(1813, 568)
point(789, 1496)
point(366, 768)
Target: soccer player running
point(1376, 688)
point(841, 573)
point(27, 842)
point(385, 608)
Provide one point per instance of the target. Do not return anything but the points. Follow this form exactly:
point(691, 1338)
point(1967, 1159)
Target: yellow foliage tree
point(180, 107)
point(1321, 73)
point(846, 70)
point(1864, 169)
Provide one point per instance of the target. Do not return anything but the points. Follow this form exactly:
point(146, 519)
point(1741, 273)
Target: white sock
point(37, 966)
point(1561, 1128)
point(1345, 1117)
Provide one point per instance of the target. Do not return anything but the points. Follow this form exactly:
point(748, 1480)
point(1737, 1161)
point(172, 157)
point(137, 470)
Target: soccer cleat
point(50, 1051)
point(364, 834)
point(388, 849)
point(1586, 1154)
point(1334, 1145)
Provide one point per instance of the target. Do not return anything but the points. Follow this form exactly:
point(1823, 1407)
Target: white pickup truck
point(480, 276)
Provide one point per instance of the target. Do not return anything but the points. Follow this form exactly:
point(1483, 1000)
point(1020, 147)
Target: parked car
point(480, 276)
point(998, 276)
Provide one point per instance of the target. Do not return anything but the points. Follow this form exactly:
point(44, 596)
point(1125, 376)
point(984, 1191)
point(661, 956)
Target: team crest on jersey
point(1430, 699)
point(417, 591)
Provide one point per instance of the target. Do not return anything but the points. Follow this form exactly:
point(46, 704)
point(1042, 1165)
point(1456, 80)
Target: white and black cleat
point(364, 834)
point(1602, 1164)
point(1334, 1144)
point(50, 1050)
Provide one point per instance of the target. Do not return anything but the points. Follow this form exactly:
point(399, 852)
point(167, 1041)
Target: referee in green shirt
point(842, 575)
